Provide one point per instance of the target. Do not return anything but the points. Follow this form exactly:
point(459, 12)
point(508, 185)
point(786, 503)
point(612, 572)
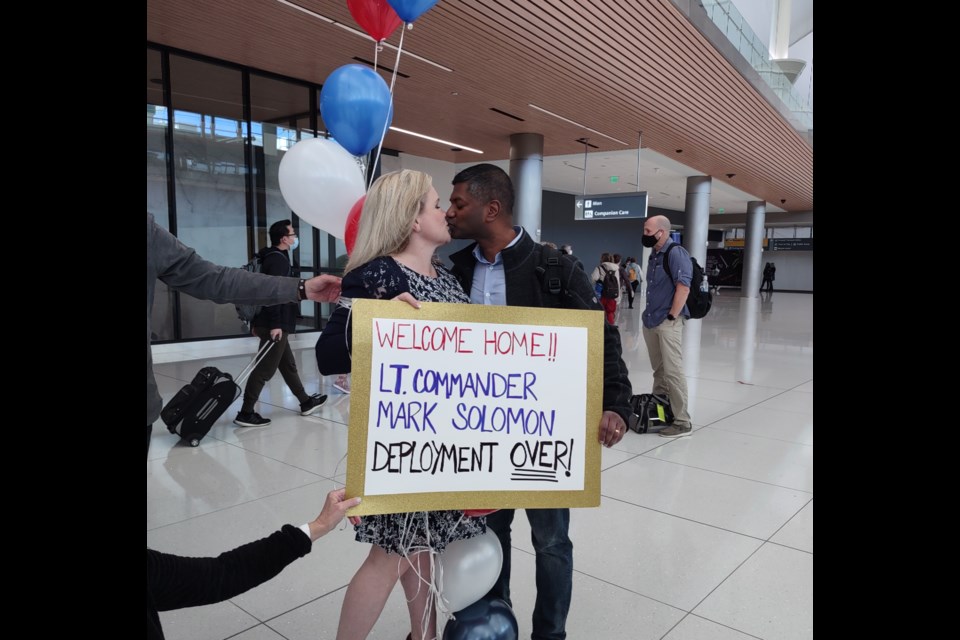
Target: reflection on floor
point(704, 537)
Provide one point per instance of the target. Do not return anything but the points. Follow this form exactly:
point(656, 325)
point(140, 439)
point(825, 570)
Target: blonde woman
point(401, 226)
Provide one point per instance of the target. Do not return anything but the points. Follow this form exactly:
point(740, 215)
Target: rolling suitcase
point(192, 411)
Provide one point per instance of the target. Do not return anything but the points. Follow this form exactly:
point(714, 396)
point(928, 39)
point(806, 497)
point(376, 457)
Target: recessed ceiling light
point(509, 115)
point(550, 113)
point(432, 139)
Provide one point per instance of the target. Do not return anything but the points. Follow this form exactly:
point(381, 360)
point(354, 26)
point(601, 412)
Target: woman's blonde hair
point(389, 211)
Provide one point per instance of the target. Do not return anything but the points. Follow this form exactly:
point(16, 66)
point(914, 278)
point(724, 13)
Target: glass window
point(210, 180)
point(226, 198)
point(156, 141)
point(161, 321)
point(278, 109)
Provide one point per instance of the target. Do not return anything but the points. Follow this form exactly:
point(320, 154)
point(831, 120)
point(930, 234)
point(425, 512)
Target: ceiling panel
point(619, 67)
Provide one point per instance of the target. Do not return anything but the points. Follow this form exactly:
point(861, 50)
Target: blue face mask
point(296, 243)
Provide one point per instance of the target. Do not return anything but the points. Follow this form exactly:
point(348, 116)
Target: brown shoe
point(676, 431)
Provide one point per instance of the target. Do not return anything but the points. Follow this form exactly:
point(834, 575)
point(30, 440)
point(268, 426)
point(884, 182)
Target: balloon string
point(386, 123)
point(408, 551)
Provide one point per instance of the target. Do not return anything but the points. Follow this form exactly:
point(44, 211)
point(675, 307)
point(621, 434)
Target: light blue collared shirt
point(489, 283)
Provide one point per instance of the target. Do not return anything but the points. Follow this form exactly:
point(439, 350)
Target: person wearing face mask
point(276, 323)
point(663, 319)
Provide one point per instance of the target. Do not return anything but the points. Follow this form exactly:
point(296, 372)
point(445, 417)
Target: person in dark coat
point(769, 275)
point(174, 582)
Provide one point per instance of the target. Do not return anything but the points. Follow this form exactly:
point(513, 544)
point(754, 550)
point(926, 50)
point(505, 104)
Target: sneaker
point(252, 419)
point(313, 403)
point(342, 384)
point(676, 431)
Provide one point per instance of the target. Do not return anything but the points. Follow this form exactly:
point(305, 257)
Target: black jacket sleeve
point(380, 279)
point(335, 343)
point(177, 581)
point(580, 294)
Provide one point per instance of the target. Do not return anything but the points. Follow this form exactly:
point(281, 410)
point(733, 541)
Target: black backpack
point(700, 298)
point(247, 312)
point(610, 286)
point(650, 413)
point(549, 271)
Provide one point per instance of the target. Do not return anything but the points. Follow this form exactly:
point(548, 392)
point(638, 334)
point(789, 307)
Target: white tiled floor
point(703, 537)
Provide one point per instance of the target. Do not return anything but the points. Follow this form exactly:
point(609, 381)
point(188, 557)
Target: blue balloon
point(355, 105)
point(483, 620)
point(410, 10)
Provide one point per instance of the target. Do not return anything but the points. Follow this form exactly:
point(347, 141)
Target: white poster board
point(457, 406)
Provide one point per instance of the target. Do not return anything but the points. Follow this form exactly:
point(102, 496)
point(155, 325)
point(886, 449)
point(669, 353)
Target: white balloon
point(320, 181)
point(468, 569)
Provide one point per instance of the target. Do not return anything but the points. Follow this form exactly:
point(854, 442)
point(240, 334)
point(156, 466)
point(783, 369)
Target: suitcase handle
point(240, 379)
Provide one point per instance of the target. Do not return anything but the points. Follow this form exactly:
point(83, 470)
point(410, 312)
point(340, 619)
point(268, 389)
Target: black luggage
point(651, 413)
point(192, 411)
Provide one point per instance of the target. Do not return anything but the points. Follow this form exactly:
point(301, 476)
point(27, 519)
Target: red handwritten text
point(410, 335)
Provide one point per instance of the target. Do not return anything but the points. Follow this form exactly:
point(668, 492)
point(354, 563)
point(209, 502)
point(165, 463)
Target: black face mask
point(649, 241)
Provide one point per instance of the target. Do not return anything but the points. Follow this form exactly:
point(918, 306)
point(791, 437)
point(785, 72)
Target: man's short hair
point(277, 231)
point(487, 182)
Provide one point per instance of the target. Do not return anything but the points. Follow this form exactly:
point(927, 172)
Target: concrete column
point(749, 300)
point(753, 249)
point(747, 338)
point(526, 172)
point(780, 31)
point(697, 210)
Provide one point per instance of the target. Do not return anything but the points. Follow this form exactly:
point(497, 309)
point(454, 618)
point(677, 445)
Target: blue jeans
point(549, 530)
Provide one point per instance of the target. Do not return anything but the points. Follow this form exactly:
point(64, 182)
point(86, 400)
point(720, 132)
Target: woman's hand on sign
point(612, 428)
point(407, 297)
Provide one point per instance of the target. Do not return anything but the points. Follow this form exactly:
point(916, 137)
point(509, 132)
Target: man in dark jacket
point(501, 268)
point(276, 323)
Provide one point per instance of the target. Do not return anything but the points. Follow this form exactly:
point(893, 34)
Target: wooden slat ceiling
point(616, 66)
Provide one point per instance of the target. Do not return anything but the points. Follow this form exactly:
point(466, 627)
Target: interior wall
point(590, 238)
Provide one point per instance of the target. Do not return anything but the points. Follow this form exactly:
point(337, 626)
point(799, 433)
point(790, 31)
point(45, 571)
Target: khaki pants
point(664, 343)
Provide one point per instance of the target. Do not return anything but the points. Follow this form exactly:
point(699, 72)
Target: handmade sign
point(461, 406)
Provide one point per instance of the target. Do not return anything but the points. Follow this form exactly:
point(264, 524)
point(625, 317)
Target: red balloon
point(375, 16)
point(476, 513)
point(353, 224)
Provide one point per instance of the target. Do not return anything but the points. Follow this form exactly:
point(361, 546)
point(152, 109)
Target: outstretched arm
point(177, 581)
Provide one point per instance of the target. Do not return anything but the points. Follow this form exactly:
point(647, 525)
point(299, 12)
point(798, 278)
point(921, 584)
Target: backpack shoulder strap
point(549, 270)
point(666, 262)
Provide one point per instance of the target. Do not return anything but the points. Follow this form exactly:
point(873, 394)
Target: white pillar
point(749, 288)
point(697, 212)
point(780, 31)
point(526, 172)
